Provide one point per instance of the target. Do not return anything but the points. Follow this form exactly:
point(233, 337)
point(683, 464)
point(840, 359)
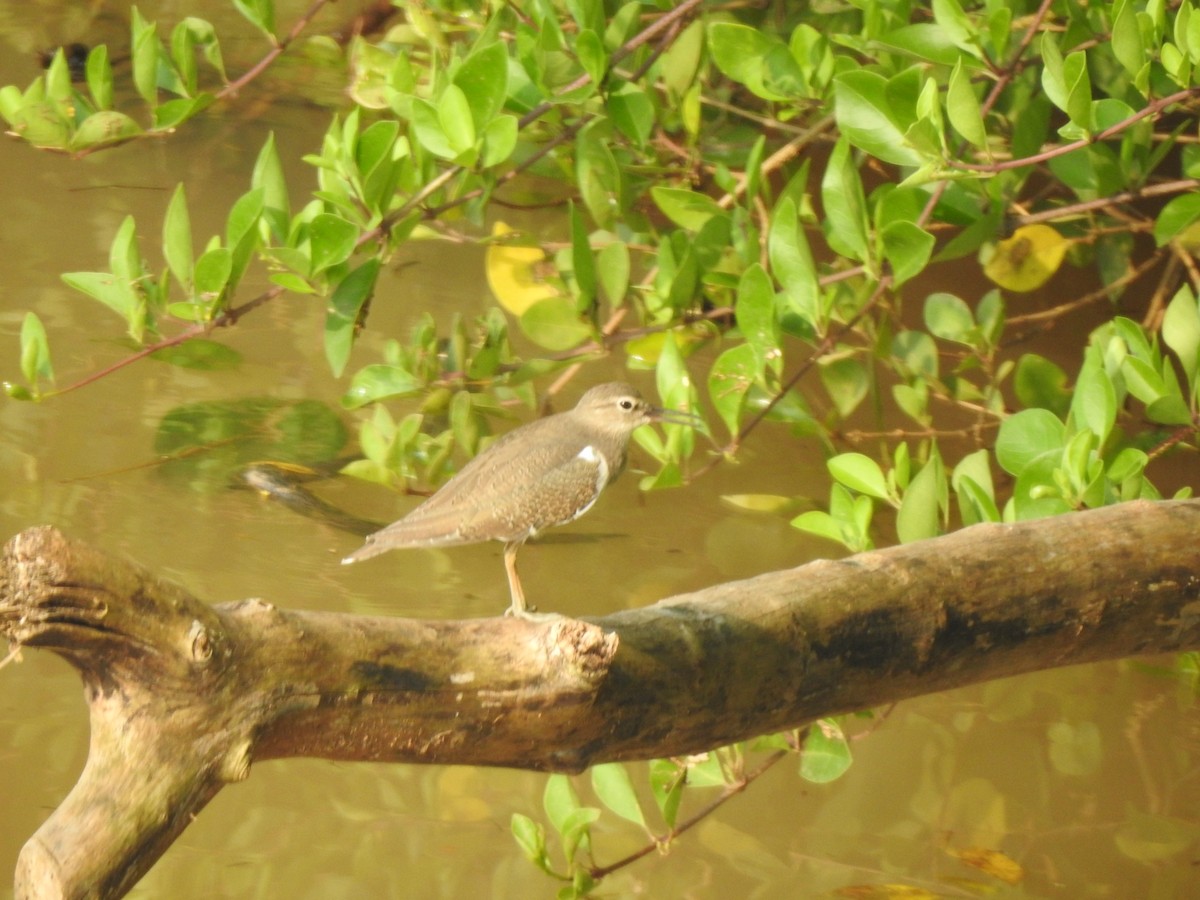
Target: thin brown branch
point(827, 344)
point(1165, 188)
point(730, 791)
point(223, 320)
point(1101, 293)
point(664, 22)
point(232, 88)
point(1152, 109)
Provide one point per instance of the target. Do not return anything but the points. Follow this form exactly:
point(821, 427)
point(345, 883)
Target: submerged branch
point(184, 696)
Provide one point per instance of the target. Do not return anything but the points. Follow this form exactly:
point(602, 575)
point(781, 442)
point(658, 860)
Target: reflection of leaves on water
point(206, 443)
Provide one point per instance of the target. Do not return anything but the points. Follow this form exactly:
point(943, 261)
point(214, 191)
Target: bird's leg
point(517, 607)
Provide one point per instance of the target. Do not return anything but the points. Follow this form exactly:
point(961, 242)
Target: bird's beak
point(676, 417)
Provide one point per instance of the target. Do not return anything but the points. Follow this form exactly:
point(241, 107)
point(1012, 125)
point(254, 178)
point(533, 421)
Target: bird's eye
point(626, 403)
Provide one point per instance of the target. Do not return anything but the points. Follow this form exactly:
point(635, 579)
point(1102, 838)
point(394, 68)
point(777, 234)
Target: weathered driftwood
point(184, 696)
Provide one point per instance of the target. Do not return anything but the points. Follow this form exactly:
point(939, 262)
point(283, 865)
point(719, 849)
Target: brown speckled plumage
point(542, 474)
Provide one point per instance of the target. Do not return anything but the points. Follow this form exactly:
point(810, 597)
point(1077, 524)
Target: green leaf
point(1170, 410)
point(183, 54)
point(667, 779)
point(611, 783)
point(345, 310)
point(1067, 84)
point(1181, 332)
point(100, 77)
point(35, 350)
point(560, 801)
point(380, 382)
point(597, 174)
point(1142, 379)
point(632, 111)
point(729, 379)
point(687, 209)
point(205, 36)
point(918, 517)
point(972, 480)
point(576, 831)
point(681, 61)
point(1027, 437)
point(821, 524)
point(1040, 383)
point(1094, 404)
point(531, 838)
point(755, 314)
point(962, 107)
point(825, 756)
point(177, 239)
point(11, 103)
point(845, 205)
point(499, 140)
point(428, 128)
point(454, 117)
point(173, 113)
point(268, 175)
point(555, 324)
point(907, 248)
point(860, 473)
point(212, 272)
point(847, 382)
point(1175, 218)
point(792, 264)
point(1127, 44)
point(260, 13)
point(483, 80)
point(741, 52)
point(612, 267)
point(332, 239)
point(103, 128)
point(242, 232)
point(589, 50)
point(41, 124)
point(954, 25)
point(104, 287)
point(145, 57)
point(866, 117)
point(949, 318)
point(583, 263)
point(917, 353)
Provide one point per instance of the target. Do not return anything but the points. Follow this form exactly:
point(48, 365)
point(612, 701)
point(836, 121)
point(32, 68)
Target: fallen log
point(184, 697)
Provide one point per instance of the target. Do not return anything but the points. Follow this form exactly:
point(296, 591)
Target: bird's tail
point(366, 551)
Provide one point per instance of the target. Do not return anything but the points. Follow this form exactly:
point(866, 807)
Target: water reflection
point(1087, 777)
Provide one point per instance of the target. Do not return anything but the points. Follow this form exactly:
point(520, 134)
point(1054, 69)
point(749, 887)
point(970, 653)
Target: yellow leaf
point(772, 504)
point(990, 862)
point(513, 273)
point(1025, 261)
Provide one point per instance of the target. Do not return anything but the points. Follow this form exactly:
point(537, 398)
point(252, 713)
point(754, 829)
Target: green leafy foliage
point(770, 208)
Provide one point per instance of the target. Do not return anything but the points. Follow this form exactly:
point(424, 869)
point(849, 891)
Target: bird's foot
point(530, 614)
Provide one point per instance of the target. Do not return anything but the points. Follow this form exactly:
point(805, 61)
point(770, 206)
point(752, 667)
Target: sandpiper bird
point(546, 473)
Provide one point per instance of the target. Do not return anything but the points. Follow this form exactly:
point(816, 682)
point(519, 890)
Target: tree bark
point(183, 696)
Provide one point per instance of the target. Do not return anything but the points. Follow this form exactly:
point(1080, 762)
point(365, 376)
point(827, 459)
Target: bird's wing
point(493, 498)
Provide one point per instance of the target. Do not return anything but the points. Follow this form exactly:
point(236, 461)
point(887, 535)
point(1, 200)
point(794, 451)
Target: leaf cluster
point(751, 203)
